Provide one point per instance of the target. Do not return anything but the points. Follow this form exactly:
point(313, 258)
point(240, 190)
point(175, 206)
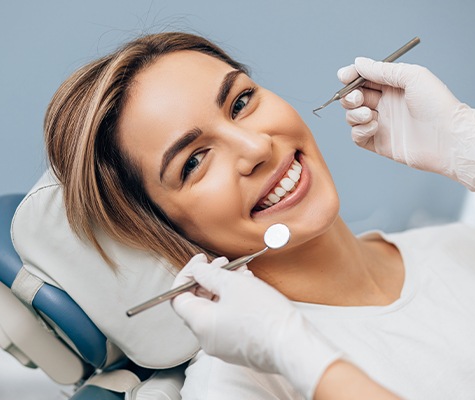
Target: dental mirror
point(275, 237)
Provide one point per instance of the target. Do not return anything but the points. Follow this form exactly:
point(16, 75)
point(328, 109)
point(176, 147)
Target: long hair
point(103, 188)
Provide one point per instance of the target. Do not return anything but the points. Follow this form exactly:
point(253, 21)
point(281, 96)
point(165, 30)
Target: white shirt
point(422, 346)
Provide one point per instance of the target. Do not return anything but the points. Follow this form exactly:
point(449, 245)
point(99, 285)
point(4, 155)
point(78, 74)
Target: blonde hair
point(102, 186)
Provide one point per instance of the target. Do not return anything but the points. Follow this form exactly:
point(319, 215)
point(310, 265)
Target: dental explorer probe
point(358, 82)
point(275, 237)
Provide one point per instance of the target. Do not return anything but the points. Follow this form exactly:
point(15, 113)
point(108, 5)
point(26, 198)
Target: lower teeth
point(269, 203)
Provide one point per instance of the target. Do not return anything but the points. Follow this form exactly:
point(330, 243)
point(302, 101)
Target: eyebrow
point(195, 133)
point(226, 86)
point(178, 146)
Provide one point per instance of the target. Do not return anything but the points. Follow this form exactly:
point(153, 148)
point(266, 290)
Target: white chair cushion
point(156, 338)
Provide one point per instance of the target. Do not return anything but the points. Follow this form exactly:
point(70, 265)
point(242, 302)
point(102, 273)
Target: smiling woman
point(169, 146)
point(204, 135)
point(101, 184)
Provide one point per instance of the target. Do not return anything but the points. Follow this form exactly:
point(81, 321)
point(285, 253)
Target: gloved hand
point(244, 321)
point(407, 114)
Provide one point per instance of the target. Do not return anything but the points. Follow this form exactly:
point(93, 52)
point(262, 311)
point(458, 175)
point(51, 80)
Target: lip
point(295, 196)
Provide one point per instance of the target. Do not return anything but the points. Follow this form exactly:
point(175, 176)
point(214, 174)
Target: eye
point(192, 164)
point(241, 102)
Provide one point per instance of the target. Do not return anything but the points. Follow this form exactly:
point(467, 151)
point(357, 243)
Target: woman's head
point(169, 138)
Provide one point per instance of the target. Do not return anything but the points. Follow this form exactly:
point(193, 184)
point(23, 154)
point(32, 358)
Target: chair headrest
point(51, 302)
point(156, 338)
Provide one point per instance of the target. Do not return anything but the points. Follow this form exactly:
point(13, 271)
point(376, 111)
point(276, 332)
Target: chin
point(321, 218)
point(314, 221)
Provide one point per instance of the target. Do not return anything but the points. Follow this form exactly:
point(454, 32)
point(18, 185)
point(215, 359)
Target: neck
point(335, 268)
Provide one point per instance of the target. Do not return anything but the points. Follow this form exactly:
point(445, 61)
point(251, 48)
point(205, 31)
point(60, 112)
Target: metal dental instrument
point(360, 80)
point(275, 237)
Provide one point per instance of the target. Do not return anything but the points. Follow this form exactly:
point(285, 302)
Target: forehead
point(180, 73)
point(171, 96)
point(174, 80)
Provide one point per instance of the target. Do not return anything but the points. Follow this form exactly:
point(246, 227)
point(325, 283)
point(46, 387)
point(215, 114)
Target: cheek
point(204, 212)
point(283, 120)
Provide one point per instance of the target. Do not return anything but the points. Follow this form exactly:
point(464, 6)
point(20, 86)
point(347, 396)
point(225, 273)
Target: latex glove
point(250, 323)
point(407, 114)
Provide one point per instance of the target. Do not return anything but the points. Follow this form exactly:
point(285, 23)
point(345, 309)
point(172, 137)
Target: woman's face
point(215, 150)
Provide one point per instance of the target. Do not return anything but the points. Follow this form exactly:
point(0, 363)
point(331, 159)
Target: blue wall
point(293, 48)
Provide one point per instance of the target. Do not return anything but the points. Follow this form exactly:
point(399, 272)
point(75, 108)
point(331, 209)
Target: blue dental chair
point(51, 331)
point(33, 341)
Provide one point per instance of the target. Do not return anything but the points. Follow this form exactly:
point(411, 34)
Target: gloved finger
point(363, 135)
point(352, 100)
point(212, 279)
point(373, 86)
point(360, 115)
point(194, 310)
point(248, 272)
point(185, 274)
point(370, 97)
point(242, 268)
point(218, 262)
point(182, 300)
point(384, 73)
point(347, 74)
point(202, 292)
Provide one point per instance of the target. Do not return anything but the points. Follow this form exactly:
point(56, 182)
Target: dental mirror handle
point(190, 285)
point(358, 82)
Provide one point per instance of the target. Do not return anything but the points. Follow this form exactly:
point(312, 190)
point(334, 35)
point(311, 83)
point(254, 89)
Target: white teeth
point(273, 198)
point(286, 185)
point(297, 167)
point(280, 191)
point(293, 175)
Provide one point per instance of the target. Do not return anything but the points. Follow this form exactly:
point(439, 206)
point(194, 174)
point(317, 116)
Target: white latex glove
point(247, 322)
point(406, 113)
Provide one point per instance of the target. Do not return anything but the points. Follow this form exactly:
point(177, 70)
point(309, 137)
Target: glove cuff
point(304, 354)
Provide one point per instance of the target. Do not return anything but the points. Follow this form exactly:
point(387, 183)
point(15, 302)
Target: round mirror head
point(277, 236)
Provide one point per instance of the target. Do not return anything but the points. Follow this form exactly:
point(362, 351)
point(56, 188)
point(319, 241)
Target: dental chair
point(62, 308)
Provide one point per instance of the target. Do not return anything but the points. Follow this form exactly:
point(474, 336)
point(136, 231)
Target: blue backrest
point(50, 301)
point(10, 263)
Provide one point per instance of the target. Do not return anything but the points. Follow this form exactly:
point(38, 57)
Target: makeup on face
point(223, 157)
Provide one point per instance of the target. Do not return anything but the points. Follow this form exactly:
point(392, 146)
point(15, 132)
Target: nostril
point(255, 150)
point(256, 167)
point(247, 167)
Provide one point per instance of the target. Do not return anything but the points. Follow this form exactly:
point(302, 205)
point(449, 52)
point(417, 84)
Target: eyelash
point(248, 92)
point(185, 173)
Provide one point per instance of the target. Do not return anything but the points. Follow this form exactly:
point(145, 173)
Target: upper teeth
point(285, 186)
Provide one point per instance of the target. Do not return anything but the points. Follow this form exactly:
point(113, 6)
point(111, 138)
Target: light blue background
point(293, 48)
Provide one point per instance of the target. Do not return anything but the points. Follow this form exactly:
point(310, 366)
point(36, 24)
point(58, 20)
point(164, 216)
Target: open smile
point(287, 188)
point(282, 189)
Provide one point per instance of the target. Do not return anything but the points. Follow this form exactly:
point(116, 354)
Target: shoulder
point(454, 236)
point(451, 241)
point(456, 233)
point(209, 378)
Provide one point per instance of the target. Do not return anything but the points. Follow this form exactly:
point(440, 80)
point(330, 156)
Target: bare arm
point(344, 381)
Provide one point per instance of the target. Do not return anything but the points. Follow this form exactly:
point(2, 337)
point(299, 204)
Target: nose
point(251, 147)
